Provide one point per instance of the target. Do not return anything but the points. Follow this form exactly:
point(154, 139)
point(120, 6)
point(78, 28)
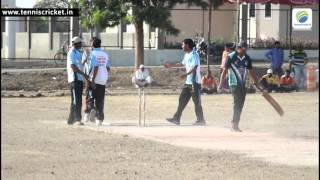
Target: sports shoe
point(235, 127)
point(174, 121)
point(92, 115)
point(236, 130)
point(199, 123)
point(98, 122)
point(86, 117)
point(78, 123)
point(69, 121)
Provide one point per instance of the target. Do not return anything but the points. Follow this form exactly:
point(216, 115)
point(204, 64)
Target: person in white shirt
point(97, 66)
point(141, 77)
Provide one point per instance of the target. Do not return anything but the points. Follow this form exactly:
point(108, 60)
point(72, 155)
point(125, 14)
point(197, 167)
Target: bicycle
point(201, 47)
point(61, 54)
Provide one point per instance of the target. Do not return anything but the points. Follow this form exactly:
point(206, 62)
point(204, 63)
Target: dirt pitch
point(36, 143)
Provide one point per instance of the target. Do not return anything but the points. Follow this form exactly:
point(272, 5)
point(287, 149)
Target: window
point(267, 12)
point(252, 10)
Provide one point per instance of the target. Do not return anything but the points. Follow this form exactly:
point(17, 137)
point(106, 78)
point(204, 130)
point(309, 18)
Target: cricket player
point(238, 65)
point(192, 86)
point(97, 67)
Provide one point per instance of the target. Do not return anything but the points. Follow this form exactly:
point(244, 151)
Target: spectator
point(269, 81)
point(298, 62)
point(141, 77)
point(275, 55)
point(208, 84)
point(287, 83)
point(227, 49)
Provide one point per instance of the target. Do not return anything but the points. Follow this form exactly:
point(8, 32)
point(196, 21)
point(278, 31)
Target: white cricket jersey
point(102, 61)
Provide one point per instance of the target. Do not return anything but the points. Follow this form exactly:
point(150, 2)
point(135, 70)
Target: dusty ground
point(37, 144)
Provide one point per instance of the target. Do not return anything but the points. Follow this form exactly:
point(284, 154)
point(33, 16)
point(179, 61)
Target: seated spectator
point(270, 82)
point(287, 83)
point(141, 77)
point(208, 84)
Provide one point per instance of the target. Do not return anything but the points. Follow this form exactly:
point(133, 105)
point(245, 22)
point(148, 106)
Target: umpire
point(192, 86)
point(75, 79)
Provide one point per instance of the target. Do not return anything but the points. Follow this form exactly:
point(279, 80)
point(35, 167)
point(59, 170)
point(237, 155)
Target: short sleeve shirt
point(238, 68)
point(190, 60)
point(102, 61)
point(299, 58)
point(90, 65)
point(74, 57)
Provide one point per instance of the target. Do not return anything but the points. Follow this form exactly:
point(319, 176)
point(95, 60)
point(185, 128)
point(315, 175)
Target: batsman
point(238, 66)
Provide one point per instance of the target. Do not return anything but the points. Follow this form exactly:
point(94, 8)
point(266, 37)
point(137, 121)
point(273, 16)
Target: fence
point(37, 37)
point(259, 24)
point(35, 40)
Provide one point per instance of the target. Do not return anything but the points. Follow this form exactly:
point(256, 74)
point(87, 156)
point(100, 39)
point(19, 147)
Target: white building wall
point(312, 36)
point(267, 27)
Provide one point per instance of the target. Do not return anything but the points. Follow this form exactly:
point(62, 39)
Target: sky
point(25, 3)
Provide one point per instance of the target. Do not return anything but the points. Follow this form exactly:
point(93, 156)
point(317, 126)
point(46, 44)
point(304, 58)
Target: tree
point(101, 13)
point(156, 13)
point(41, 24)
point(51, 4)
point(212, 4)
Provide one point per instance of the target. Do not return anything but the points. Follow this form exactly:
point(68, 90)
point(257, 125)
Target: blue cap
point(242, 44)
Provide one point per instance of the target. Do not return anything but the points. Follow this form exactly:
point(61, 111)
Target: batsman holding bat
point(238, 65)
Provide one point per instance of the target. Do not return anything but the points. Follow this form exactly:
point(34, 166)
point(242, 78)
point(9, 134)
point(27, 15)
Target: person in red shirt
point(287, 83)
point(208, 84)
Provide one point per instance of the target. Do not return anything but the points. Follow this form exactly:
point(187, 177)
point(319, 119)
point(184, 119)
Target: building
point(193, 21)
point(272, 21)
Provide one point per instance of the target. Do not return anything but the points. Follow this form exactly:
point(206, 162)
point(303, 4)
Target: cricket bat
point(271, 101)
